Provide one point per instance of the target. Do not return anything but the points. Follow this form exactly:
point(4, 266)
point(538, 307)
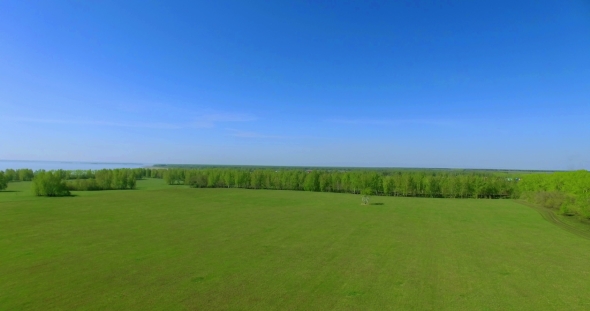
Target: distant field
point(176, 248)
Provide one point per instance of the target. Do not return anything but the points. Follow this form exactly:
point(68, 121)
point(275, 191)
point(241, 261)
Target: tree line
point(11, 175)
point(409, 183)
point(105, 179)
point(61, 182)
point(23, 174)
point(390, 183)
point(567, 192)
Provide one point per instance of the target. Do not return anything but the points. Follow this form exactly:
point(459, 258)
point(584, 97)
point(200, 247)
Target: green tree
point(3, 182)
point(430, 184)
point(241, 178)
point(49, 184)
point(213, 178)
point(104, 179)
point(336, 182)
point(407, 185)
point(366, 193)
point(228, 177)
point(312, 181)
point(10, 175)
point(131, 182)
point(25, 174)
point(256, 179)
point(325, 181)
point(173, 176)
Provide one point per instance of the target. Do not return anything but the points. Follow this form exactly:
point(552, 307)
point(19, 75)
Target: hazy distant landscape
point(64, 165)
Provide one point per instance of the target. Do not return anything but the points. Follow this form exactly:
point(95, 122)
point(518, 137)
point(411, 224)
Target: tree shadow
point(2, 191)
point(57, 196)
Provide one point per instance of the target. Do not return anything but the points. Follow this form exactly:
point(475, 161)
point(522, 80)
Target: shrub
point(550, 199)
point(49, 184)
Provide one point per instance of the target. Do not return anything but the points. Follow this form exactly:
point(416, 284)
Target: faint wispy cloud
point(154, 125)
point(248, 134)
point(390, 122)
point(210, 120)
point(201, 121)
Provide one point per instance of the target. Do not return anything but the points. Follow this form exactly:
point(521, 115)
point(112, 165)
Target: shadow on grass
point(57, 196)
point(375, 203)
point(3, 191)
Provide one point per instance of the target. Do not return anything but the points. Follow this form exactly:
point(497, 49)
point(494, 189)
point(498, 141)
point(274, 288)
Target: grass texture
point(175, 248)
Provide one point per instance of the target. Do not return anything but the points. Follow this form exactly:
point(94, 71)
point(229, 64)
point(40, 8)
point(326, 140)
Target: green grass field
point(174, 248)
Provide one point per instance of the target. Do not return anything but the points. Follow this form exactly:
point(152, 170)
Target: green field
point(177, 248)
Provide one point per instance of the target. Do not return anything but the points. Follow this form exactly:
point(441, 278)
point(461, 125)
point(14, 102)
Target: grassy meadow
point(166, 247)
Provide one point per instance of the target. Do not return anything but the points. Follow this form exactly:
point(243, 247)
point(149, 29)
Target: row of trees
point(567, 192)
point(401, 183)
point(60, 182)
point(117, 179)
point(26, 174)
point(137, 173)
point(23, 174)
point(56, 183)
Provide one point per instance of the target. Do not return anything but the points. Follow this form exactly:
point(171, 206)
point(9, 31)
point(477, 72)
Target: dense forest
point(566, 192)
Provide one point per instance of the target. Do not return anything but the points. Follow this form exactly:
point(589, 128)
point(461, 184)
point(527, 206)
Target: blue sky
point(474, 84)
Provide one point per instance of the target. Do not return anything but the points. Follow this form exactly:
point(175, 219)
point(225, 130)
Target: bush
point(550, 199)
point(563, 203)
point(49, 184)
point(576, 206)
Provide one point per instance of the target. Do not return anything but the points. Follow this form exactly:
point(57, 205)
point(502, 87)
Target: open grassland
point(176, 248)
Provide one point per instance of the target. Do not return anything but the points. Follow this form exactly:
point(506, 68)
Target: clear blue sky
point(476, 84)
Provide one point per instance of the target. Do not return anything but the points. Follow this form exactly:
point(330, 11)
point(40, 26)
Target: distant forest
point(566, 192)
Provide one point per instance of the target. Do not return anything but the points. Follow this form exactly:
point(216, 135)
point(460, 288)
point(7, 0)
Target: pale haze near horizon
point(492, 84)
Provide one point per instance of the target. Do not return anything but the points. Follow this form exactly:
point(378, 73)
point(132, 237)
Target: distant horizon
point(150, 164)
point(71, 161)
